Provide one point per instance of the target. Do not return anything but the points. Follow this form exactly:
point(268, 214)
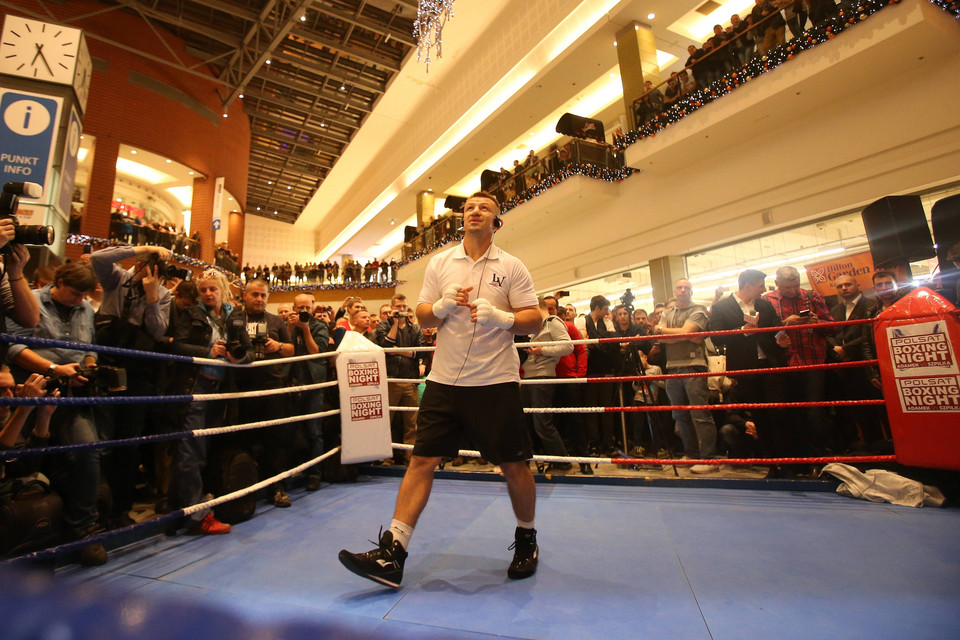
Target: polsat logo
point(363, 374)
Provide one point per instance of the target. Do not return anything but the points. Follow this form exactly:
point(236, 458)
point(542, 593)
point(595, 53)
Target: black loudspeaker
point(409, 233)
point(580, 127)
point(945, 219)
point(489, 180)
point(897, 231)
point(454, 203)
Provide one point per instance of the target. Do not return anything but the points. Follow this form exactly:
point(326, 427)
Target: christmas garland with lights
point(233, 278)
point(595, 171)
point(950, 6)
point(757, 67)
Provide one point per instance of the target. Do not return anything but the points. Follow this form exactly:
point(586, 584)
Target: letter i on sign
point(26, 119)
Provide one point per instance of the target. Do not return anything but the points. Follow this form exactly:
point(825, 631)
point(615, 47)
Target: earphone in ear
point(497, 223)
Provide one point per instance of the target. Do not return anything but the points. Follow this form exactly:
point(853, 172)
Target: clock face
point(82, 74)
point(38, 50)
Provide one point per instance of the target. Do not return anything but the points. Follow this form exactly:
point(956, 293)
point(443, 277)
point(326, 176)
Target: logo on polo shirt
point(496, 280)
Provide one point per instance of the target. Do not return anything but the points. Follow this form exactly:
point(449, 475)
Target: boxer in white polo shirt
point(478, 297)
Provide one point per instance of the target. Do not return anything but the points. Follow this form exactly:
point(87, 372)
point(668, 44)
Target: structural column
point(103, 176)
point(201, 215)
point(664, 272)
point(637, 55)
point(425, 208)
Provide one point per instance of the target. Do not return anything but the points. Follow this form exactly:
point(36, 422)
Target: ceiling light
point(269, 181)
point(190, 173)
point(133, 151)
point(613, 75)
point(224, 115)
point(303, 18)
point(258, 208)
point(143, 172)
point(393, 221)
point(274, 213)
point(636, 27)
point(342, 88)
point(119, 199)
point(169, 161)
point(229, 198)
point(289, 187)
point(183, 194)
point(533, 133)
point(267, 61)
point(651, 16)
point(614, 43)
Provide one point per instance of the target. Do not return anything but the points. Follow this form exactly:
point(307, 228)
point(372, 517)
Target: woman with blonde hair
point(201, 331)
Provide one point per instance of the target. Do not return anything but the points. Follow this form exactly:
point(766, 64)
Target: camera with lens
point(259, 341)
point(236, 328)
point(304, 316)
point(101, 381)
point(165, 270)
point(397, 315)
point(33, 234)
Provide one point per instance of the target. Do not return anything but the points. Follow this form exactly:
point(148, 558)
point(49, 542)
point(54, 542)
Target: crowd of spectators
point(97, 301)
point(703, 434)
point(135, 230)
point(731, 47)
point(328, 272)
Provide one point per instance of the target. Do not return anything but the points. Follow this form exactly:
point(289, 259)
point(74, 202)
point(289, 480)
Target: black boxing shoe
point(383, 565)
point(525, 554)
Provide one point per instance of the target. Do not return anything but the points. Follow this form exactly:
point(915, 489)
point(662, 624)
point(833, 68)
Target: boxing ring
point(690, 560)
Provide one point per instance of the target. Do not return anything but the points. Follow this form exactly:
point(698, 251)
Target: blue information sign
point(28, 126)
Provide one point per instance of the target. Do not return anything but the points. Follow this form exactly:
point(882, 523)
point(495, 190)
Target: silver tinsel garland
point(432, 15)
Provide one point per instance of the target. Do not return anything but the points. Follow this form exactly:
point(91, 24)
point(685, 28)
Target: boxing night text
point(366, 407)
point(363, 374)
point(920, 351)
point(940, 393)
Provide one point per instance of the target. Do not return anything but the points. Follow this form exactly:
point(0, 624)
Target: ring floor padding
point(616, 562)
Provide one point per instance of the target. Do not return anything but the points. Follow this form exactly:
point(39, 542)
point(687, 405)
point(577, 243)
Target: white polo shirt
point(505, 282)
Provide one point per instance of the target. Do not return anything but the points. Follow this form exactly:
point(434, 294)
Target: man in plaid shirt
point(797, 306)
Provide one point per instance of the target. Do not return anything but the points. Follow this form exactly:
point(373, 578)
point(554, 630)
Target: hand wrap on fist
point(489, 316)
point(447, 304)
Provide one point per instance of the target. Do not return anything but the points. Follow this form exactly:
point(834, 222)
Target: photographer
point(12, 422)
point(16, 301)
point(309, 335)
point(203, 331)
point(134, 314)
point(398, 331)
point(270, 340)
point(66, 315)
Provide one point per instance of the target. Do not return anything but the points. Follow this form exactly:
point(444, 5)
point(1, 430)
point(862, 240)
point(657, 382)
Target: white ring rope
point(260, 485)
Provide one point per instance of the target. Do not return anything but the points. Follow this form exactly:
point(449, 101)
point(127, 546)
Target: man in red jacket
point(573, 365)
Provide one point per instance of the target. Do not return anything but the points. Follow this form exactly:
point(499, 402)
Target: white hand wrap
point(447, 304)
point(489, 316)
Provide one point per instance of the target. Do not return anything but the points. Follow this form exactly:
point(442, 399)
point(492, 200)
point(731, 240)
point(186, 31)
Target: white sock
point(525, 525)
point(402, 532)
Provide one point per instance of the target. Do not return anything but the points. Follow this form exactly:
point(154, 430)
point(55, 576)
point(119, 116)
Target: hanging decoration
point(432, 15)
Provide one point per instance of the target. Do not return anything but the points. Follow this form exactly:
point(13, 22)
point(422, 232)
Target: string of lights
point(432, 15)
